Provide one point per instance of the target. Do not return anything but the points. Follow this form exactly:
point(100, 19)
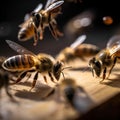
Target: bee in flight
point(77, 50)
point(28, 62)
point(39, 19)
point(106, 58)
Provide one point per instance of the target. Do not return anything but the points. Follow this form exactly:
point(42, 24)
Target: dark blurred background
point(12, 14)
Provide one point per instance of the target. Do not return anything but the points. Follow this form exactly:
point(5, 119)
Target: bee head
point(36, 18)
point(57, 69)
point(95, 66)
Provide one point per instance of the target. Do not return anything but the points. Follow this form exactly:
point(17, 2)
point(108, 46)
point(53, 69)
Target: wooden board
point(35, 105)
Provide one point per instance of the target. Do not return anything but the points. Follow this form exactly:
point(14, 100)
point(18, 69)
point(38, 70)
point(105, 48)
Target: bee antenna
point(66, 68)
point(86, 69)
point(63, 75)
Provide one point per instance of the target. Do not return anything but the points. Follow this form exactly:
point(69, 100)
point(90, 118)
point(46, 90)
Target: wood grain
point(37, 105)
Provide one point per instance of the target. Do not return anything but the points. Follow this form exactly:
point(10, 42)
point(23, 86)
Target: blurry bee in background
point(78, 24)
point(77, 50)
point(107, 20)
point(74, 95)
point(106, 58)
point(39, 19)
point(28, 62)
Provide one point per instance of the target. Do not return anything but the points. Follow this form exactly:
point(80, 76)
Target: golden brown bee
point(28, 62)
point(74, 94)
point(39, 19)
point(106, 58)
point(77, 50)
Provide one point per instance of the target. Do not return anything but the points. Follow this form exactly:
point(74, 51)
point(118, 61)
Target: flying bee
point(77, 50)
point(74, 94)
point(39, 19)
point(106, 58)
point(28, 62)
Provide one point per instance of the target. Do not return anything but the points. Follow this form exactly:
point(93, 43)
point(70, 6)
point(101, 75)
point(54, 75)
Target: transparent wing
point(114, 44)
point(78, 41)
point(54, 5)
point(114, 49)
point(27, 16)
point(37, 9)
point(48, 3)
point(18, 48)
point(113, 41)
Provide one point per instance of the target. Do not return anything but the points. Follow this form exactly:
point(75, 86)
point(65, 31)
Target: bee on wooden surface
point(74, 94)
point(106, 58)
point(77, 50)
point(28, 62)
point(39, 19)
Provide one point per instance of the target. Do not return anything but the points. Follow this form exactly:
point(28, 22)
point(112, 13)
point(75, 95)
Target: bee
point(74, 94)
point(106, 58)
point(77, 50)
point(28, 62)
point(39, 19)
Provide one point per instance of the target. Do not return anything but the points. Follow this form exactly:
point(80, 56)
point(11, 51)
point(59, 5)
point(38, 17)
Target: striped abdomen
point(19, 62)
point(26, 33)
point(86, 50)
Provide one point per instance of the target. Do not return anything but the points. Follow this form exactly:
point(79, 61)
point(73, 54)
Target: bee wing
point(113, 41)
point(114, 49)
point(25, 23)
point(54, 5)
point(38, 8)
point(78, 41)
point(49, 2)
point(18, 48)
point(114, 44)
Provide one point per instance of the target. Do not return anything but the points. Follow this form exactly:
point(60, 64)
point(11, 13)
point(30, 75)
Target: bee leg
point(53, 31)
point(7, 91)
point(54, 24)
point(28, 76)
point(104, 74)
point(35, 36)
point(34, 81)
point(41, 32)
point(112, 67)
point(45, 79)
point(22, 75)
point(50, 75)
